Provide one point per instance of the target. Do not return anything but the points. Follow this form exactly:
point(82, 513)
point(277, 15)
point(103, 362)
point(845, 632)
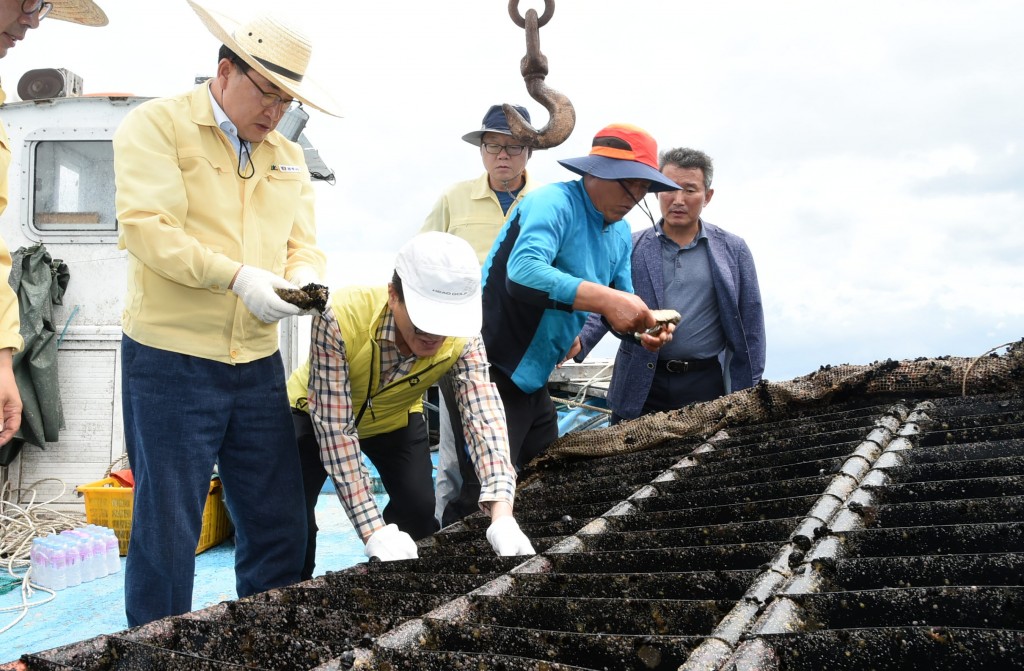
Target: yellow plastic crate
point(109, 504)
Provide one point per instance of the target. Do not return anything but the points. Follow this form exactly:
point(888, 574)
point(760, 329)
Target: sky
point(869, 152)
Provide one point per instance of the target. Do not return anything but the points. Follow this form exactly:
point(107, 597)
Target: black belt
point(680, 366)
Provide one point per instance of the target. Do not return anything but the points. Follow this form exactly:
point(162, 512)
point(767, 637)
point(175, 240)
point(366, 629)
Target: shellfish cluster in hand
point(664, 318)
point(310, 297)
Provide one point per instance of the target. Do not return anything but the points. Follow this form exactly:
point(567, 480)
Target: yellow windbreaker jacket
point(10, 323)
point(471, 211)
point(189, 221)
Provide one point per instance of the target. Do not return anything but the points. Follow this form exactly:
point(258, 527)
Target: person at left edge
point(373, 353)
point(216, 211)
point(17, 17)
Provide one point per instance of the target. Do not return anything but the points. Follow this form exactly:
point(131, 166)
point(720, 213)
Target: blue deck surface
point(97, 607)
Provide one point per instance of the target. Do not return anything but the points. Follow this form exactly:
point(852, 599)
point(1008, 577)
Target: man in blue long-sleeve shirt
point(564, 252)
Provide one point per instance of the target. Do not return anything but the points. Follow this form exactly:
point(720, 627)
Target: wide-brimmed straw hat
point(494, 122)
point(622, 151)
point(85, 12)
point(273, 48)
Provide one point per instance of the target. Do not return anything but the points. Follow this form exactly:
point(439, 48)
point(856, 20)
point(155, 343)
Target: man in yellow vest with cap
point(374, 352)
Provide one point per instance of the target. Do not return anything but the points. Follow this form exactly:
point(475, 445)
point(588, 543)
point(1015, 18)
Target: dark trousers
point(182, 415)
point(402, 459)
point(532, 426)
point(671, 391)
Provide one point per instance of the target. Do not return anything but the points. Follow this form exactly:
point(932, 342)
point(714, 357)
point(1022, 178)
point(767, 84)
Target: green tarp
point(40, 282)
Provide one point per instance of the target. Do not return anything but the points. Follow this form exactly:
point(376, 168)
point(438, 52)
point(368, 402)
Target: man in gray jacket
point(706, 274)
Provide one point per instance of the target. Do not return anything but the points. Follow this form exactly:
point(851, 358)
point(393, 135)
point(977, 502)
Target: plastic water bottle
point(112, 551)
point(84, 547)
point(73, 537)
point(74, 562)
point(99, 553)
point(41, 568)
point(58, 574)
point(88, 563)
point(99, 550)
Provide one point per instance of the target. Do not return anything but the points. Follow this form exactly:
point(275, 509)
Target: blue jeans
point(182, 415)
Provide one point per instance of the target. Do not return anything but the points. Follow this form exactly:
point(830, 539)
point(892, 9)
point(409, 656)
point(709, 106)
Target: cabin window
point(74, 187)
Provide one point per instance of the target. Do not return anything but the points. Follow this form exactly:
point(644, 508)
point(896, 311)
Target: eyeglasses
point(510, 149)
point(271, 99)
point(38, 7)
point(420, 332)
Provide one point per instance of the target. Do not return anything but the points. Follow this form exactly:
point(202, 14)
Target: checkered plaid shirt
point(330, 408)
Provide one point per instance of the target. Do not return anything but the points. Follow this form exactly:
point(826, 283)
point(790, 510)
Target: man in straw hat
point(565, 252)
point(17, 17)
point(373, 353)
point(475, 211)
point(216, 212)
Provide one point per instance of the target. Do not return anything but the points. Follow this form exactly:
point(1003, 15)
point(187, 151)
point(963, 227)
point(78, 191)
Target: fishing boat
point(580, 392)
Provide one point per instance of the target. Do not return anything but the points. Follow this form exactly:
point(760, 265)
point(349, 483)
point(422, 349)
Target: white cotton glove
point(507, 539)
point(390, 543)
point(255, 287)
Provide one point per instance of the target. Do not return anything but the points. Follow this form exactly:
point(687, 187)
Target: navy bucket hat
point(622, 151)
point(494, 122)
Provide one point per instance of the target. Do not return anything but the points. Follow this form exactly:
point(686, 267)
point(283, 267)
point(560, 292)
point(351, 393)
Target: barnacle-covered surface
point(770, 401)
point(880, 532)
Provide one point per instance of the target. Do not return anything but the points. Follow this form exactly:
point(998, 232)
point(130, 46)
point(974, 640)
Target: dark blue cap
point(494, 122)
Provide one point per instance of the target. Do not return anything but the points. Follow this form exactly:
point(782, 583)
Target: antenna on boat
point(534, 67)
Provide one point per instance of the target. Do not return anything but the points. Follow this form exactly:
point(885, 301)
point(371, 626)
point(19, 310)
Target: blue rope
point(64, 330)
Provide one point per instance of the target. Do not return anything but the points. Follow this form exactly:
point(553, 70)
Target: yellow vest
point(359, 312)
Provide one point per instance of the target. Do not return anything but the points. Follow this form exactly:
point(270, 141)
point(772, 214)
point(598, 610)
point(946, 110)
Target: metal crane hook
point(534, 67)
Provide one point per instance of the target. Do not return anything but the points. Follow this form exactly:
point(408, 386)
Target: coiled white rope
point(577, 400)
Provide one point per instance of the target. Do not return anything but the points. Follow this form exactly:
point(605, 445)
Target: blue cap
point(494, 122)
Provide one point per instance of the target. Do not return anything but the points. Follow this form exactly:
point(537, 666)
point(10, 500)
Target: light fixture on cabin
point(292, 123)
point(46, 83)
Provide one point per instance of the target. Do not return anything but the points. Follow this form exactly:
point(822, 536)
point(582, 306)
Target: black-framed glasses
point(37, 7)
point(510, 149)
point(271, 99)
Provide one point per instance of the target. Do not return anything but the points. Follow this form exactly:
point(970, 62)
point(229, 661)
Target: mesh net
point(768, 401)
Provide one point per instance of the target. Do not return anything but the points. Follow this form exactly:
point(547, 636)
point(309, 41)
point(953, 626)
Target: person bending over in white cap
point(17, 17)
point(374, 352)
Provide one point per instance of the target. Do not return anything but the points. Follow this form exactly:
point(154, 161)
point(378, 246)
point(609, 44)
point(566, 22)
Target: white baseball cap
point(441, 284)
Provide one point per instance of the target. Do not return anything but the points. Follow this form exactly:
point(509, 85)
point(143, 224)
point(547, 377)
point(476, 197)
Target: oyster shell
point(310, 297)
